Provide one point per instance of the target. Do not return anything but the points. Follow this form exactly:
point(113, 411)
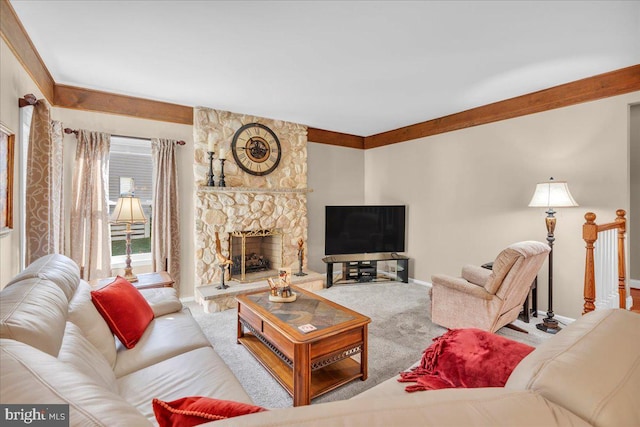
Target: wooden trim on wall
point(334, 138)
point(18, 40)
point(613, 83)
point(105, 102)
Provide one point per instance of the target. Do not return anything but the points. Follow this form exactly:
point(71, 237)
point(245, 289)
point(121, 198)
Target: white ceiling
point(359, 67)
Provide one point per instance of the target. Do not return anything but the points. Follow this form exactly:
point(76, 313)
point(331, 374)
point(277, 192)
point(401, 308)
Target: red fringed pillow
point(124, 309)
point(191, 411)
point(466, 358)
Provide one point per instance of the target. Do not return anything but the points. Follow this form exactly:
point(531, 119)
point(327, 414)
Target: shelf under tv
point(364, 267)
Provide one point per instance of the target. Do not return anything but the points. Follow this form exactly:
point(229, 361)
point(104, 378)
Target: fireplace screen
point(255, 254)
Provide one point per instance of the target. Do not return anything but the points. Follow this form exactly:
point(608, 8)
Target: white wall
point(336, 176)
point(467, 191)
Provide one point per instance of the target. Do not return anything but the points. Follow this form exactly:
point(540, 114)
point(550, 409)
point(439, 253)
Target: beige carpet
point(399, 332)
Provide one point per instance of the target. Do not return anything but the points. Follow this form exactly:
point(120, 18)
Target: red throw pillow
point(191, 411)
point(466, 358)
point(124, 309)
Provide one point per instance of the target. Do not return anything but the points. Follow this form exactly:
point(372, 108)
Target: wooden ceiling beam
point(105, 102)
point(613, 83)
point(16, 37)
point(335, 138)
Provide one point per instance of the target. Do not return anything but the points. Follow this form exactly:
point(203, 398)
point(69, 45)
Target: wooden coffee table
point(307, 364)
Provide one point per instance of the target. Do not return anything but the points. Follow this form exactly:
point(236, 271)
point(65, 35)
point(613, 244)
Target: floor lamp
point(128, 211)
point(548, 195)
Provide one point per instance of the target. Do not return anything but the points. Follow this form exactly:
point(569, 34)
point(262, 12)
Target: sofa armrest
point(162, 300)
point(476, 275)
point(461, 285)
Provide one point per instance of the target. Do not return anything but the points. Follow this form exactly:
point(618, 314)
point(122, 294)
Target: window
point(131, 173)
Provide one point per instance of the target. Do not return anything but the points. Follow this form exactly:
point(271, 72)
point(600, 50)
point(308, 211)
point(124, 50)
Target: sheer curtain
point(165, 237)
point(90, 240)
point(44, 218)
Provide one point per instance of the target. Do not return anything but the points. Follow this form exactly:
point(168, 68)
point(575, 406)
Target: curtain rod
point(69, 131)
point(28, 99)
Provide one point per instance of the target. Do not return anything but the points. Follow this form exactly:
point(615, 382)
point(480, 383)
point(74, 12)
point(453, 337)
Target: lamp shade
point(552, 194)
point(128, 211)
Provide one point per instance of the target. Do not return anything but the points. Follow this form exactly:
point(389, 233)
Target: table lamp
point(128, 211)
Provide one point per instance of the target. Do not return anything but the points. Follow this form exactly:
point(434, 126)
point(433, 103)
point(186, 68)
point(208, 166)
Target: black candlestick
point(211, 182)
point(221, 183)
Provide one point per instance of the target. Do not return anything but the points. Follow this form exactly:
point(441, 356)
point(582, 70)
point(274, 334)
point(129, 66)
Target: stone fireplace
point(249, 205)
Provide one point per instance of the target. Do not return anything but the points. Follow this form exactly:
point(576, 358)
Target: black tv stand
point(364, 267)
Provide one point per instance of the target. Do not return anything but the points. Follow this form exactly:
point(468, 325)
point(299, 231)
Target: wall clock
point(256, 149)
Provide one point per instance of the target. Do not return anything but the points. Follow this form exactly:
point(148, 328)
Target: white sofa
point(55, 348)
point(588, 374)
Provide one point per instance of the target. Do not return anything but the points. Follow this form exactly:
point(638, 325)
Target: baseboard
point(420, 282)
point(635, 284)
point(629, 302)
point(562, 319)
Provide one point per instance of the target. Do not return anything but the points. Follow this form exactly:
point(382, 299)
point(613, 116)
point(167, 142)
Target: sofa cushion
point(31, 376)
point(59, 269)
point(84, 314)
point(162, 300)
point(199, 372)
point(195, 410)
point(165, 337)
point(34, 311)
point(451, 407)
point(592, 368)
point(124, 309)
point(80, 353)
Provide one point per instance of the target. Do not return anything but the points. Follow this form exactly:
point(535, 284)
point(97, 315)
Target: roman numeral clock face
point(256, 149)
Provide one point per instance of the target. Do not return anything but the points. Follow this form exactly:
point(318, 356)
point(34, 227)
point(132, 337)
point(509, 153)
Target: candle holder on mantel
point(211, 182)
point(221, 183)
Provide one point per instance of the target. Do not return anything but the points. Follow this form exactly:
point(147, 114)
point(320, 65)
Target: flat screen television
point(364, 229)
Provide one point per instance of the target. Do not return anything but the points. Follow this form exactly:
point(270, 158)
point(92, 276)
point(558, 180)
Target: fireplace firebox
point(256, 254)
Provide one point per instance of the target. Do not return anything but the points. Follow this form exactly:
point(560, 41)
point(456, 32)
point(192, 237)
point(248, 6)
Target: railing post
point(590, 235)
point(622, 228)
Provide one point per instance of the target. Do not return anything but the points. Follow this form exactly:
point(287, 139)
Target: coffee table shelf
point(322, 381)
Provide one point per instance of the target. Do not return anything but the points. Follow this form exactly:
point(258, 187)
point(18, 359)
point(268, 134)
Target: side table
point(160, 279)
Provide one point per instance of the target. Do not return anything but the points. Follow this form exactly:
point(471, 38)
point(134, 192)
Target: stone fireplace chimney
point(248, 203)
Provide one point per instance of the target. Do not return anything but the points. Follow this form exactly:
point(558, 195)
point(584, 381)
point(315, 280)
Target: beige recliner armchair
point(488, 299)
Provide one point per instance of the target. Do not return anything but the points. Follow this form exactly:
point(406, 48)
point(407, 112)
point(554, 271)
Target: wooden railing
point(590, 232)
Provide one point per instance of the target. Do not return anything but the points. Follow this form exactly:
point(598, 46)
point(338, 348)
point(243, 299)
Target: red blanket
point(466, 358)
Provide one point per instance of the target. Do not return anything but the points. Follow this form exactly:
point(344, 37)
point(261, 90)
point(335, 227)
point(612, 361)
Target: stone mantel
point(207, 189)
